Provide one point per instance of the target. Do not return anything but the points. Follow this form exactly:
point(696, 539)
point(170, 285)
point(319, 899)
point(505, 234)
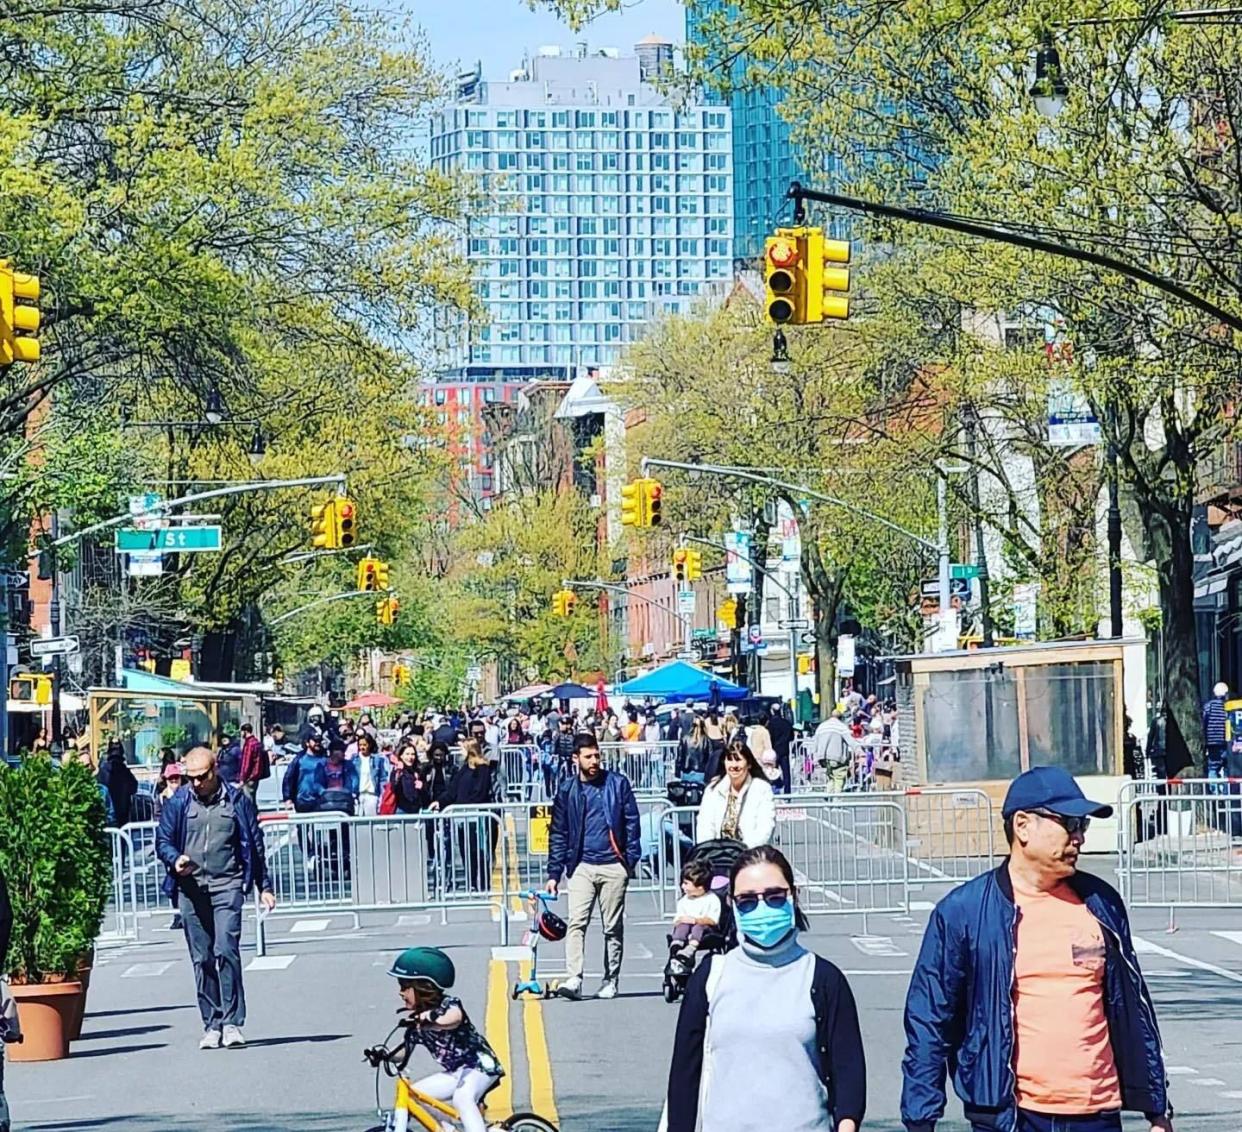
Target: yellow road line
point(496, 1026)
point(542, 1093)
point(516, 903)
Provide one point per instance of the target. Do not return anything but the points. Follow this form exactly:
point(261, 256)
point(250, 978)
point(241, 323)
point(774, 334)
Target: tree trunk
point(1168, 534)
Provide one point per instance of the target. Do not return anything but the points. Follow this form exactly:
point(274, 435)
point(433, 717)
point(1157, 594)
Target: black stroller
point(720, 853)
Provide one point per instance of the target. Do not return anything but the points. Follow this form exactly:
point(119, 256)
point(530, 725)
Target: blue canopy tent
point(678, 681)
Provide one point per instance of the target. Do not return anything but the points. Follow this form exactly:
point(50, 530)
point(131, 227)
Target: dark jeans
point(1042, 1122)
point(212, 922)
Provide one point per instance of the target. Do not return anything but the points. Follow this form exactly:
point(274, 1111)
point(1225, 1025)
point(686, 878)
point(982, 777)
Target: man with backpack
point(256, 764)
point(834, 750)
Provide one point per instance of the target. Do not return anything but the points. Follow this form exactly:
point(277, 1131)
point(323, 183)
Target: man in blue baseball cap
point(1028, 990)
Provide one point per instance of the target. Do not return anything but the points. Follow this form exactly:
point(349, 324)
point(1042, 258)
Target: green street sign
point(705, 634)
point(169, 540)
point(963, 571)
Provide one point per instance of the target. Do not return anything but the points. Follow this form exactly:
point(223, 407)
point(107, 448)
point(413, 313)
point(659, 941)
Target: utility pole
point(972, 422)
point(1114, 522)
point(53, 616)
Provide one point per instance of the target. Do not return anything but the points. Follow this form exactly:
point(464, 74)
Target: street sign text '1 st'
point(169, 540)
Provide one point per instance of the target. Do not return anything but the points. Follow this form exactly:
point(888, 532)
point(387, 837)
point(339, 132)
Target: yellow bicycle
point(412, 1108)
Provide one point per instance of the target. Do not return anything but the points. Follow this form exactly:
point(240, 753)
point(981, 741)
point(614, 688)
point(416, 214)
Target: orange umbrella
point(371, 700)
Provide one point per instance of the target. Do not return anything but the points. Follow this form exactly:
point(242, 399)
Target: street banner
point(737, 562)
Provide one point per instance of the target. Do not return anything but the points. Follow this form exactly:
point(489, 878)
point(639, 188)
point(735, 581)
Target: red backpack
point(388, 800)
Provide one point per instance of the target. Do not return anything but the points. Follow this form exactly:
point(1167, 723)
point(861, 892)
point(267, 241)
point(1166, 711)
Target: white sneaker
point(233, 1038)
point(570, 988)
point(211, 1040)
point(607, 989)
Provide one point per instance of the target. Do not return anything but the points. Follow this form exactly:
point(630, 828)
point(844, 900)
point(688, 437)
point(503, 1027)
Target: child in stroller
point(704, 919)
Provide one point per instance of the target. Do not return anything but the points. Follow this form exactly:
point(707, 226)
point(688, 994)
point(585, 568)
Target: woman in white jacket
point(739, 803)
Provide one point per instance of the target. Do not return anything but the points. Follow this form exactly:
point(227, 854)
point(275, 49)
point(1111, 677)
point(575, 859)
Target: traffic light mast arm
point(307, 555)
point(800, 195)
point(322, 601)
point(791, 488)
point(216, 493)
point(573, 583)
point(749, 562)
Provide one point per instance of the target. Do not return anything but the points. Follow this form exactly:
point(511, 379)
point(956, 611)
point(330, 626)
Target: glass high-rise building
point(612, 207)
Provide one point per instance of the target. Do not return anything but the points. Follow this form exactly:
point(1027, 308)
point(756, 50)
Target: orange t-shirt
point(1062, 1056)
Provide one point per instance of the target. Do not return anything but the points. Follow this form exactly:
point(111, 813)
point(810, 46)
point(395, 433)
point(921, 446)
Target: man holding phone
point(210, 841)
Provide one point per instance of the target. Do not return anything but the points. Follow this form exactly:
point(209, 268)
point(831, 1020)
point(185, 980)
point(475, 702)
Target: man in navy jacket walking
point(594, 840)
point(210, 842)
point(1027, 988)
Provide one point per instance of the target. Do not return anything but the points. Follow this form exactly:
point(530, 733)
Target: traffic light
point(400, 675)
point(19, 315)
point(366, 574)
point(323, 525)
point(652, 496)
point(680, 564)
point(563, 603)
point(631, 504)
point(386, 610)
point(806, 664)
point(726, 613)
point(343, 512)
point(381, 575)
point(826, 284)
point(694, 565)
point(783, 274)
point(805, 280)
point(31, 688)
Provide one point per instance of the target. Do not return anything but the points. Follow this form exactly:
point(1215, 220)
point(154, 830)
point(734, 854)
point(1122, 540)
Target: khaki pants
point(607, 884)
point(837, 778)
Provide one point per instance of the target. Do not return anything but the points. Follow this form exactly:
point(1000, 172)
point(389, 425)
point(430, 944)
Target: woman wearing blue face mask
point(770, 1005)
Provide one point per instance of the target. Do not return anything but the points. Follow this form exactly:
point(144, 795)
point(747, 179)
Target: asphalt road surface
point(322, 994)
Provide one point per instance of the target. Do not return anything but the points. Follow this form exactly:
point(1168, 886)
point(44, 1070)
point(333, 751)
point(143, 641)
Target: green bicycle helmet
point(428, 963)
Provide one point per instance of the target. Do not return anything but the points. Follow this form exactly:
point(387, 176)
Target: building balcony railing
point(1220, 475)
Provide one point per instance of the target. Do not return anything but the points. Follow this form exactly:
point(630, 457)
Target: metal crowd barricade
point(1176, 842)
point(526, 779)
point(648, 766)
point(950, 833)
point(121, 911)
point(847, 853)
point(335, 863)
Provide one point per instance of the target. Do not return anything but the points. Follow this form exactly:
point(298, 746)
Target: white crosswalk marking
point(1180, 1071)
point(145, 970)
point(310, 925)
point(1232, 937)
point(270, 962)
point(876, 945)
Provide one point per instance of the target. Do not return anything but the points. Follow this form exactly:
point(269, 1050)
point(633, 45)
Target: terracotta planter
point(84, 977)
point(46, 1011)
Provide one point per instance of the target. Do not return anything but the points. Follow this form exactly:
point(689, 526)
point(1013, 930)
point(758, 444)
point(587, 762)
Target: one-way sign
point(53, 646)
point(794, 623)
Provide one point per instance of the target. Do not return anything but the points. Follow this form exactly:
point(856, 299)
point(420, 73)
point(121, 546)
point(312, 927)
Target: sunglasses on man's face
point(747, 902)
point(1072, 826)
point(197, 778)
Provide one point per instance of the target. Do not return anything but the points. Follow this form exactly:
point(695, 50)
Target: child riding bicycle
point(439, 1022)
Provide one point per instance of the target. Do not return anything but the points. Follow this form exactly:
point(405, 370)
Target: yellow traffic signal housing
point(651, 494)
point(400, 675)
point(381, 575)
point(631, 504)
point(784, 274)
point(19, 315)
point(694, 565)
point(386, 610)
point(323, 526)
point(563, 603)
point(805, 662)
point(726, 613)
point(826, 283)
point(367, 579)
point(344, 514)
point(680, 564)
point(31, 688)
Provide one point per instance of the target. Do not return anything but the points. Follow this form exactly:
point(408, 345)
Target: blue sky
point(499, 31)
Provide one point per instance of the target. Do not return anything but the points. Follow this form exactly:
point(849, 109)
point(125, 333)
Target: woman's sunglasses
point(747, 902)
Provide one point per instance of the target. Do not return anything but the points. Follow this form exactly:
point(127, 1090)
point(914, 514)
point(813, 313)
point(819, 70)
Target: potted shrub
point(56, 861)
